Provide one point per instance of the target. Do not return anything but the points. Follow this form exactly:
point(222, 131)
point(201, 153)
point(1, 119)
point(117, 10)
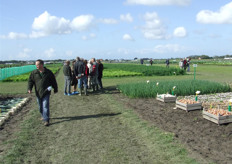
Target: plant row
point(180, 88)
point(118, 70)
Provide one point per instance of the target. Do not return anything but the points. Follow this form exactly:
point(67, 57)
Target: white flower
point(157, 83)
point(174, 72)
point(148, 81)
point(174, 87)
point(198, 92)
point(230, 100)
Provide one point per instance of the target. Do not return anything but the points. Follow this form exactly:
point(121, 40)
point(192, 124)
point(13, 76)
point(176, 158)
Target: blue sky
point(114, 29)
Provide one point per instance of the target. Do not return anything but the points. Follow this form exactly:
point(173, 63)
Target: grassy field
point(216, 73)
point(96, 128)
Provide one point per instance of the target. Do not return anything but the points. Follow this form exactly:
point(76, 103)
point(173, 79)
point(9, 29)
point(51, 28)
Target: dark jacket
point(67, 70)
point(42, 82)
point(79, 68)
point(100, 70)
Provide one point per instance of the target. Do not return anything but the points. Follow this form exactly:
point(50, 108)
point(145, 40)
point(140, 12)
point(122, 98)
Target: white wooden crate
point(166, 98)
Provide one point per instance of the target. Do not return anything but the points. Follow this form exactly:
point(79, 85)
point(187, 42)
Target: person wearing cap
point(43, 80)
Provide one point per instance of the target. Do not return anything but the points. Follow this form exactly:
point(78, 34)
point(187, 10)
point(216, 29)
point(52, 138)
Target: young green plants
point(185, 87)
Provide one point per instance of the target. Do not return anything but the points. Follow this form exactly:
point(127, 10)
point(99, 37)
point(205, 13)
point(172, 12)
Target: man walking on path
point(44, 80)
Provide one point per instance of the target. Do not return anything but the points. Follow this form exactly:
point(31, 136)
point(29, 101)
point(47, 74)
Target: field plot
point(205, 140)
point(109, 127)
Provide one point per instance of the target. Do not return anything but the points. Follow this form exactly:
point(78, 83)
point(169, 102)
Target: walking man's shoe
point(46, 123)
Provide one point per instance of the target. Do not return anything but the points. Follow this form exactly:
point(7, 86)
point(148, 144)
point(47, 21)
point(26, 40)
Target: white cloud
point(109, 21)
point(46, 24)
point(144, 51)
point(168, 48)
point(37, 34)
point(84, 37)
point(14, 35)
point(223, 16)
point(49, 53)
point(88, 37)
point(123, 51)
point(82, 23)
point(24, 54)
point(158, 2)
point(214, 36)
point(153, 28)
point(126, 18)
point(127, 37)
point(180, 32)
point(69, 53)
point(49, 24)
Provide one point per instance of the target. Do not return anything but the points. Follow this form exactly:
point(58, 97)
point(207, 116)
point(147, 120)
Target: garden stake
point(197, 92)
point(229, 107)
point(173, 90)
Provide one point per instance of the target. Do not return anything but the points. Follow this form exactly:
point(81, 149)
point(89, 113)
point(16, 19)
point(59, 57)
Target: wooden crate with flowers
point(166, 97)
point(219, 114)
point(188, 104)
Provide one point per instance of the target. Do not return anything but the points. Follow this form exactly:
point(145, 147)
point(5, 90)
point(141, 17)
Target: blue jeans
point(81, 81)
point(67, 84)
point(44, 107)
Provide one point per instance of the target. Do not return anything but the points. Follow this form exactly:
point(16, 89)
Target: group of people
point(185, 63)
point(84, 74)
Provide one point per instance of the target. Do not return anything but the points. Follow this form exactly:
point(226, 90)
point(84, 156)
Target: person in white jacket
point(181, 64)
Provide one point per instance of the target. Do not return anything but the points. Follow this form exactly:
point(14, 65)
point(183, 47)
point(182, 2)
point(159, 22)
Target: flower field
point(180, 88)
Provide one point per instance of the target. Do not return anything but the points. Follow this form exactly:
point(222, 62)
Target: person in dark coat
point(185, 64)
point(43, 80)
point(79, 70)
point(167, 63)
point(151, 62)
point(67, 77)
point(100, 73)
point(74, 79)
